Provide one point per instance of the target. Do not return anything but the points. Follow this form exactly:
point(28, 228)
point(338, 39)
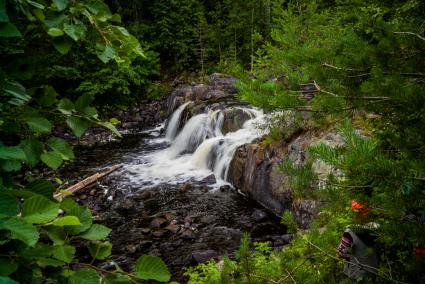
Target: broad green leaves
point(7, 267)
point(38, 210)
point(38, 123)
point(67, 23)
point(61, 4)
point(105, 53)
point(96, 232)
point(55, 32)
point(42, 187)
point(32, 149)
point(100, 250)
point(67, 221)
point(8, 204)
point(152, 267)
point(64, 253)
point(85, 275)
point(11, 153)
point(62, 44)
point(65, 106)
point(21, 230)
point(17, 92)
point(62, 147)
point(81, 212)
point(78, 125)
point(9, 30)
point(75, 31)
point(52, 159)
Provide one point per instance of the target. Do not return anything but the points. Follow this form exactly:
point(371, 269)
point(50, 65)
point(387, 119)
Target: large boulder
point(218, 87)
point(255, 171)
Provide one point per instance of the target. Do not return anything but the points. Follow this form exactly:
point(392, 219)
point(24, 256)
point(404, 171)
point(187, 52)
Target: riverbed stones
point(210, 179)
point(173, 228)
point(185, 187)
point(259, 215)
point(157, 223)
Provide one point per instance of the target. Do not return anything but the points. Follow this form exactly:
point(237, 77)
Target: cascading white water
point(199, 149)
point(173, 123)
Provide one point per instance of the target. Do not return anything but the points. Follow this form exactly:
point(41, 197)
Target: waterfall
point(199, 149)
point(174, 121)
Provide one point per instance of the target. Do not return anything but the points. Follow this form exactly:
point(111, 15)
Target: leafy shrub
point(38, 234)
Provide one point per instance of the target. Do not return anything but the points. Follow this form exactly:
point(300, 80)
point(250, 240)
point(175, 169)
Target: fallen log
point(86, 182)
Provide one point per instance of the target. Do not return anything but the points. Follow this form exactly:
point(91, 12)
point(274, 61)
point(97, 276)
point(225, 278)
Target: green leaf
point(78, 125)
point(38, 210)
point(48, 97)
point(97, 7)
point(116, 18)
point(65, 106)
point(35, 4)
point(7, 266)
point(150, 267)
point(33, 149)
point(76, 32)
point(55, 32)
point(40, 250)
point(66, 221)
point(105, 53)
point(62, 147)
point(62, 44)
point(8, 204)
point(11, 153)
point(21, 230)
point(9, 30)
point(83, 102)
point(111, 127)
point(81, 212)
point(52, 159)
point(56, 234)
point(3, 14)
point(84, 276)
point(41, 187)
point(45, 262)
point(100, 250)
point(7, 280)
point(64, 253)
point(10, 165)
point(60, 4)
point(96, 232)
point(117, 279)
point(18, 92)
point(39, 14)
point(114, 121)
point(38, 124)
point(90, 112)
point(55, 19)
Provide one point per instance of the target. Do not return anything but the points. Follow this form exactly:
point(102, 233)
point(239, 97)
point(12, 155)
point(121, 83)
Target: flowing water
point(194, 152)
point(144, 203)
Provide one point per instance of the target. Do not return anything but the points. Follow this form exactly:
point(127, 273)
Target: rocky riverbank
point(189, 220)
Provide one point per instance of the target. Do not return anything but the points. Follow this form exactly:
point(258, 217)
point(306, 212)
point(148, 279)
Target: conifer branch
point(341, 68)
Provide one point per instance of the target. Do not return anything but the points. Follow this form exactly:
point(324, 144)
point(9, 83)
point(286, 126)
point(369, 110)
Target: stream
point(171, 198)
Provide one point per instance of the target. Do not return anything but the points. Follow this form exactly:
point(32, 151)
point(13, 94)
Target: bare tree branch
point(411, 33)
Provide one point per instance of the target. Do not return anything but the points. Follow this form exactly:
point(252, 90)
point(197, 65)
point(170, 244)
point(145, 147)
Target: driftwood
point(87, 181)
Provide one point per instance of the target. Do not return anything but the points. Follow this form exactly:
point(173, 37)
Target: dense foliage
point(358, 64)
point(194, 35)
point(39, 235)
